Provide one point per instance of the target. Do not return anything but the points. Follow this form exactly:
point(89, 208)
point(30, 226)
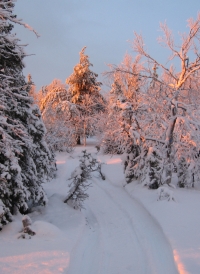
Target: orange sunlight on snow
point(180, 266)
point(60, 162)
point(41, 262)
point(114, 161)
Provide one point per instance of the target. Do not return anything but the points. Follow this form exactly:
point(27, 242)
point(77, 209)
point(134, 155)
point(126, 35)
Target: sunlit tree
point(61, 117)
point(172, 132)
point(85, 93)
point(128, 117)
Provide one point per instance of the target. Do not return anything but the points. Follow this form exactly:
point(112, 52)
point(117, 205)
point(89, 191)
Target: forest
point(149, 119)
point(150, 116)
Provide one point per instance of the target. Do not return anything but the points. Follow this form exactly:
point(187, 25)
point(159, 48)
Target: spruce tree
point(25, 160)
point(85, 93)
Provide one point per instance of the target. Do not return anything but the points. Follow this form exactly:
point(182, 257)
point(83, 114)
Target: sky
point(105, 27)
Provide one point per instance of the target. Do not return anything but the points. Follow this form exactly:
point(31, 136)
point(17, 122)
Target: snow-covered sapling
point(152, 169)
point(27, 230)
point(182, 172)
point(164, 193)
point(26, 221)
point(80, 176)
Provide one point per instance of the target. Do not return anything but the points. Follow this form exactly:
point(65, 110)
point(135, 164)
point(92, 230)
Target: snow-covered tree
point(128, 115)
point(122, 106)
point(60, 116)
point(74, 112)
point(173, 106)
point(85, 93)
point(32, 91)
point(25, 160)
point(113, 138)
point(80, 176)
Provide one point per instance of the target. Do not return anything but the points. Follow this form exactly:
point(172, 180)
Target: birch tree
point(126, 108)
point(174, 99)
point(60, 116)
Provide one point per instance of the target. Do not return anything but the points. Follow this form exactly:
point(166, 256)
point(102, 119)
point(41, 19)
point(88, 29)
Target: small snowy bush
point(26, 221)
point(164, 193)
point(27, 231)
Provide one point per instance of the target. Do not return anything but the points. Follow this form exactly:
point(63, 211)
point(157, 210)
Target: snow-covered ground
point(121, 230)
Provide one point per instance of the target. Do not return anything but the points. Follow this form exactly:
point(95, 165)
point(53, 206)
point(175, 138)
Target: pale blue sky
point(105, 27)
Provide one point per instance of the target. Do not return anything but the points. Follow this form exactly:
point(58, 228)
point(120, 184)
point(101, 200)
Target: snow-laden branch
point(6, 14)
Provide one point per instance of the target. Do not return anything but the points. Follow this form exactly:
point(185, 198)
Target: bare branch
point(138, 46)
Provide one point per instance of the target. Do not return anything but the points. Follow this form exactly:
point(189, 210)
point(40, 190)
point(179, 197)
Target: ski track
point(87, 247)
point(120, 236)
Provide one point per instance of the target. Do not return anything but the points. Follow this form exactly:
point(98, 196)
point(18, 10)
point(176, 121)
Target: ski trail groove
point(158, 252)
point(86, 257)
point(123, 252)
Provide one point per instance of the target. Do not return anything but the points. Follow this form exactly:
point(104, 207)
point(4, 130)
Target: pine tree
point(25, 160)
point(85, 93)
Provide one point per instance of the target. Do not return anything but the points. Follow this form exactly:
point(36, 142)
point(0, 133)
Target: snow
point(179, 221)
point(123, 229)
point(1, 209)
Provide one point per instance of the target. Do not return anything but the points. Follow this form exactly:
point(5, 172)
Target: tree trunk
point(79, 140)
point(169, 142)
point(84, 134)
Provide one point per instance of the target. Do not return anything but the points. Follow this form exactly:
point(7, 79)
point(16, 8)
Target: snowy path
point(120, 236)
point(115, 234)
